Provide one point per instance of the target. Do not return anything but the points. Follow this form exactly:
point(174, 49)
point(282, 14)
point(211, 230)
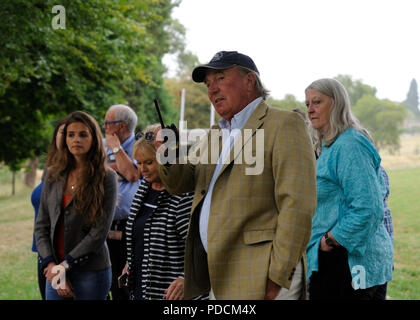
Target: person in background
point(76, 211)
point(350, 253)
point(249, 229)
point(120, 123)
point(156, 231)
point(36, 194)
point(388, 216)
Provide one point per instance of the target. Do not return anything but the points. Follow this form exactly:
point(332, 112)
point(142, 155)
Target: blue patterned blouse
point(350, 194)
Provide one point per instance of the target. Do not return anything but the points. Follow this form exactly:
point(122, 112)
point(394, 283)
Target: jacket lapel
point(58, 196)
point(255, 121)
point(211, 148)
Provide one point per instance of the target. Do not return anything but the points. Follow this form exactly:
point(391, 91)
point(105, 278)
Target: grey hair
point(125, 114)
point(341, 117)
point(262, 91)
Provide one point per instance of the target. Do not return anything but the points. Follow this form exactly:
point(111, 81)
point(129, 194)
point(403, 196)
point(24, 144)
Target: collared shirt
point(230, 133)
point(126, 189)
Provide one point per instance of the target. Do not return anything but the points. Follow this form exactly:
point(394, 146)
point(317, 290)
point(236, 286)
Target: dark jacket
point(85, 246)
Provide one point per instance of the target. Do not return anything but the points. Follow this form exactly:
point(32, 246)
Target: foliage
point(383, 118)
point(110, 52)
point(356, 89)
point(288, 103)
point(197, 103)
point(412, 100)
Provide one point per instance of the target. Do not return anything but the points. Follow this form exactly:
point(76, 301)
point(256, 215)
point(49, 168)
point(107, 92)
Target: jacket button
point(203, 192)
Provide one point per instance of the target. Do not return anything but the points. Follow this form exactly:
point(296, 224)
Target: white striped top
point(164, 240)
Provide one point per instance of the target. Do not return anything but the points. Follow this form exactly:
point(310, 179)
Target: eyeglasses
point(148, 136)
point(107, 123)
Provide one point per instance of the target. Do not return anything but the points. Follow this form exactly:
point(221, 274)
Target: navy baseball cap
point(224, 60)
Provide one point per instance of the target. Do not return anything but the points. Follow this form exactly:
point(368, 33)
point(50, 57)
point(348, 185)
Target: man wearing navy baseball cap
point(248, 232)
point(224, 60)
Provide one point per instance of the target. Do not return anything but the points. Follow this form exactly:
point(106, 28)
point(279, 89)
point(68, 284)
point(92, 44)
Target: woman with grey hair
point(350, 253)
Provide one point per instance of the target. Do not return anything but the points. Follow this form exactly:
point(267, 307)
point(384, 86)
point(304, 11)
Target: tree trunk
point(13, 182)
point(30, 176)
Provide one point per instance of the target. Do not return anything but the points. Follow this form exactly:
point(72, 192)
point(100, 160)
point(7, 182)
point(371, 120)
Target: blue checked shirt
point(387, 215)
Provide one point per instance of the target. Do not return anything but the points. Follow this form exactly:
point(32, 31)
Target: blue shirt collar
point(127, 143)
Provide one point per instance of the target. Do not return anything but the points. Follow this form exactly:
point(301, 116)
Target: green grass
point(18, 272)
point(404, 203)
point(18, 263)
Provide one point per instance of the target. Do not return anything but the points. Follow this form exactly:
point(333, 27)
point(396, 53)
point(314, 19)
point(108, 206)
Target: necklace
point(73, 178)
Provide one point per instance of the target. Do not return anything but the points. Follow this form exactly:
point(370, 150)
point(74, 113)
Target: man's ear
point(251, 80)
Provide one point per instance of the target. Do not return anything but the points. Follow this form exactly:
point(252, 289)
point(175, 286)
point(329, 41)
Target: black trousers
point(333, 280)
point(118, 256)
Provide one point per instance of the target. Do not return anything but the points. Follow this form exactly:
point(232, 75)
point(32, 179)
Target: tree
point(383, 119)
point(412, 100)
point(109, 52)
point(288, 103)
point(356, 89)
point(197, 103)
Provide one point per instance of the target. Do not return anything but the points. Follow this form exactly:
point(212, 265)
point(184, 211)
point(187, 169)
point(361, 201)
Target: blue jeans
point(87, 285)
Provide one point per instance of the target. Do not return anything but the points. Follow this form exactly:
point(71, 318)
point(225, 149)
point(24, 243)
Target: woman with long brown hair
point(77, 206)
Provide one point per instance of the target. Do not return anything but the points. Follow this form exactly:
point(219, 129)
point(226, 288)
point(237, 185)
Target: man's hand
point(123, 163)
point(112, 141)
point(272, 290)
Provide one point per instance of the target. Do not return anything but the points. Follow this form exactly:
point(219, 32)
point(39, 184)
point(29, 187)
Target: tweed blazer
point(259, 225)
point(84, 246)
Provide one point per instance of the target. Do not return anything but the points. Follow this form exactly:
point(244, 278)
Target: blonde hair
point(341, 117)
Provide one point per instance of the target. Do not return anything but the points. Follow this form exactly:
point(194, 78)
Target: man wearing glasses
point(119, 126)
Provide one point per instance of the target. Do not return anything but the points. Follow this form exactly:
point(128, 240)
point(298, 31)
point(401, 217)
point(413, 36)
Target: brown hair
point(52, 150)
point(89, 195)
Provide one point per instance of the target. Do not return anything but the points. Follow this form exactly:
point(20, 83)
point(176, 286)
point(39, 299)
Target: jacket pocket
point(254, 237)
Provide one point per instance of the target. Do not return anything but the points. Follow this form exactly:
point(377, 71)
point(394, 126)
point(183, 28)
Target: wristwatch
point(116, 149)
point(329, 241)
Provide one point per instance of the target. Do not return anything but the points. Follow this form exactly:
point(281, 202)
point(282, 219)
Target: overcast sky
point(294, 42)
